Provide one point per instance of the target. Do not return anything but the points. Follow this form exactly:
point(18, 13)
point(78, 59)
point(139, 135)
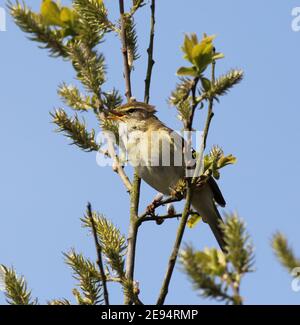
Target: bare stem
point(156, 204)
point(172, 260)
point(99, 254)
point(135, 192)
point(199, 166)
point(210, 115)
point(135, 189)
point(132, 232)
point(125, 51)
point(110, 152)
point(150, 49)
point(160, 219)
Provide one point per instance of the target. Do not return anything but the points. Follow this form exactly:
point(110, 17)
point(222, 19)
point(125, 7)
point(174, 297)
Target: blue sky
point(45, 183)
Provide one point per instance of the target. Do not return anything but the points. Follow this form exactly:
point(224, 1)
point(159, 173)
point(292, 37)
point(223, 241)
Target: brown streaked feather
point(134, 104)
point(218, 196)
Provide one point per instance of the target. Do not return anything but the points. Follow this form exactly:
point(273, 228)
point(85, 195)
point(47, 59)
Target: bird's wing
point(218, 197)
point(217, 194)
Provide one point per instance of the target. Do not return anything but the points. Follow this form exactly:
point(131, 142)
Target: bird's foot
point(151, 209)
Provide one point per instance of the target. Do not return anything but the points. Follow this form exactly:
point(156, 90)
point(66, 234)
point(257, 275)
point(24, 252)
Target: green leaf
point(200, 54)
point(188, 46)
point(226, 160)
point(193, 220)
point(187, 71)
point(218, 56)
point(51, 13)
point(67, 15)
point(206, 84)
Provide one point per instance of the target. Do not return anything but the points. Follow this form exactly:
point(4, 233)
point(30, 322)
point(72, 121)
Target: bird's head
point(134, 114)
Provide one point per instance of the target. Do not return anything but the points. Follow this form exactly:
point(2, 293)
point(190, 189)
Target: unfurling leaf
point(66, 15)
point(51, 13)
point(199, 54)
point(187, 71)
point(226, 160)
point(194, 219)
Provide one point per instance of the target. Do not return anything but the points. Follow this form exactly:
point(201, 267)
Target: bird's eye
point(131, 110)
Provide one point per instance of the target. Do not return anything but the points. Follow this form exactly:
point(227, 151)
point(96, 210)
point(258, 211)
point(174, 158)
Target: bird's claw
point(151, 208)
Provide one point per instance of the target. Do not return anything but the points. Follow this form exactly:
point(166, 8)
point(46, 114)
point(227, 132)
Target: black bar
point(134, 314)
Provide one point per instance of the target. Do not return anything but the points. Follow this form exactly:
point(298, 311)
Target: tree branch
point(99, 254)
point(125, 52)
point(135, 193)
point(172, 260)
point(156, 204)
point(198, 169)
point(111, 153)
point(210, 115)
point(132, 234)
point(186, 212)
point(150, 49)
point(160, 219)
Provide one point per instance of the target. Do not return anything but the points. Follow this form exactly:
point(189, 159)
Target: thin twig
point(195, 103)
point(111, 153)
point(135, 8)
point(135, 189)
point(210, 115)
point(132, 232)
point(186, 212)
point(150, 49)
point(172, 260)
point(156, 204)
point(125, 51)
point(160, 219)
point(135, 193)
point(99, 254)
point(198, 169)
point(118, 168)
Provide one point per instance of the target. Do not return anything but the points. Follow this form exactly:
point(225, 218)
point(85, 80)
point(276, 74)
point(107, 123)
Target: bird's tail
point(215, 225)
point(207, 209)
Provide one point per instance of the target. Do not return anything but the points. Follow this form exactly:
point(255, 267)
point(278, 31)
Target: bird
point(143, 137)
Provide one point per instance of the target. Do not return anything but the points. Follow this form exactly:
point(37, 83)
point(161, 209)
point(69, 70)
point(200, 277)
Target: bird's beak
point(115, 116)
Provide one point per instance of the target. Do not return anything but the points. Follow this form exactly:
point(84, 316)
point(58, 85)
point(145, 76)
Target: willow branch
point(198, 169)
point(150, 49)
point(172, 260)
point(99, 254)
point(186, 212)
point(135, 193)
point(210, 115)
point(160, 219)
point(135, 8)
point(118, 168)
point(132, 232)
point(125, 51)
